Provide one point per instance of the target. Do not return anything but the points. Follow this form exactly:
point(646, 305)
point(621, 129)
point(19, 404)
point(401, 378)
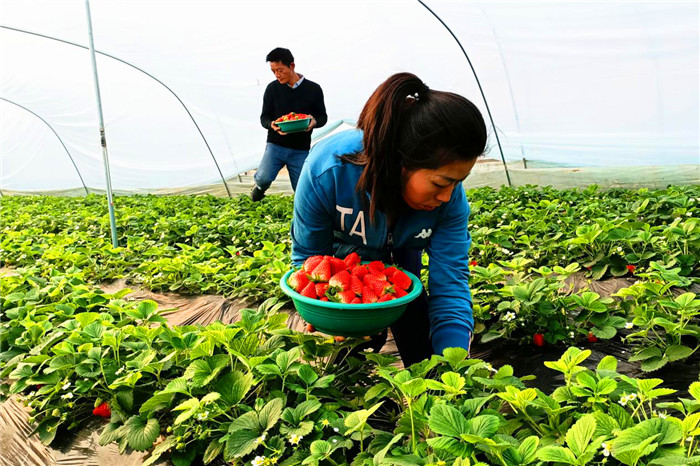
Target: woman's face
point(426, 189)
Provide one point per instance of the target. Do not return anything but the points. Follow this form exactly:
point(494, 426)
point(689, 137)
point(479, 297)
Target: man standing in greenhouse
point(290, 92)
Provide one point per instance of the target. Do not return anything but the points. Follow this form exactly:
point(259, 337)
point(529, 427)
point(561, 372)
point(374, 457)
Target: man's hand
point(277, 129)
point(312, 123)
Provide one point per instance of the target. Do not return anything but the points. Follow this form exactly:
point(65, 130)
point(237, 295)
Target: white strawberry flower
point(619, 249)
point(629, 325)
point(335, 429)
point(67, 396)
point(258, 461)
point(606, 449)
point(624, 400)
point(295, 439)
point(65, 386)
point(203, 416)
point(633, 396)
point(261, 439)
point(509, 316)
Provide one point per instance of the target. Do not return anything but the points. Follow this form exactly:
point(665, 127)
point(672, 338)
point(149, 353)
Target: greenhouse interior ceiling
point(574, 93)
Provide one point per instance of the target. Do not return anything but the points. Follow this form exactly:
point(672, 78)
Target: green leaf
point(678, 352)
point(202, 371)
point(213, 450)
point(183, 457)
point(189, 407)
point(157, 402)
point(111, 433)
point(580, 434)
point(240, 443)
point(320, 447)
point(608, 363)
point(605, 333)
point(556, 455)
point(271, 413)
point(234, 386)
point(653, 364)
point(357, 419)
point(307, 374)
point(528, 449)
point(646, 353)
point(446, 420)
point(484, 426)
point(141, 434)
point(695, 390)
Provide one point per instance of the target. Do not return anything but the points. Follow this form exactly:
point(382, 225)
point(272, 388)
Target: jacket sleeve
point(267, 115)
point(319, 111)
point(312, 223)
point(450, 301)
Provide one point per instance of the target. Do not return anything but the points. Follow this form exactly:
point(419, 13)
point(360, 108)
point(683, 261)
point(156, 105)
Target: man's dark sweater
point(281, 99)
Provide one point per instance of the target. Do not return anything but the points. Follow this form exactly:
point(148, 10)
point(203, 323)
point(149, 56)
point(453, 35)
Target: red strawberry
point(473, 264)
point(352, 260)
point(323, 298)
point(389, 272)
point(298, 280)
point(368, 295)
point(376, 266)
point(311, 263)
point(356, 285)
point(337, 265)
point(322, 272)
point(592, 338)
point(321, 288)
point(340, 281)
point(386, 297)
point(310, 291)
point(102, 411)
point(401, 280)
point(399, 293)
point(538, 339)
point(631, 268)
point(360, 271)
point(379, 286)
point(356, 301)
point(346, 297)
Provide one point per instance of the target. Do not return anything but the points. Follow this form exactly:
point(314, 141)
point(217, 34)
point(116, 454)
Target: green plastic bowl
point(294, 126)
point(351, 320)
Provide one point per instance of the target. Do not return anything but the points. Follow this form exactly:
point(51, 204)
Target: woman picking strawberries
point(393, 188)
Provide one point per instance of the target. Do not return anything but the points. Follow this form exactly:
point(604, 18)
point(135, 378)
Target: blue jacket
point(329, 219)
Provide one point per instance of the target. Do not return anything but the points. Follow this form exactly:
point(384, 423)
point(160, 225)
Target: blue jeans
point(274, 159)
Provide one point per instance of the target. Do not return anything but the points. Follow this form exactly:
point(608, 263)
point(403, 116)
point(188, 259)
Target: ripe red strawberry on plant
point(538, 339)
point(401, 280)
point(631, 268)
point(473, 264)
point(102, 411)
point(592, 338)
point(298, 280)
point(322, 272)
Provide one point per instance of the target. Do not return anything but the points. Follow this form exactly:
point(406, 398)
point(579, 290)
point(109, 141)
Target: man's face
point(282, 72)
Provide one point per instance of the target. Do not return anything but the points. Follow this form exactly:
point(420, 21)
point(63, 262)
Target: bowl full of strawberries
point(293, 122)
point(349, 297)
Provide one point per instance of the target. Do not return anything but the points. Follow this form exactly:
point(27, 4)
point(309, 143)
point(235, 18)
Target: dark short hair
point(280, 54)
point(407, 125)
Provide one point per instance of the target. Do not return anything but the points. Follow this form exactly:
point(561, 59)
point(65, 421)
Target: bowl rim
point(417, 289)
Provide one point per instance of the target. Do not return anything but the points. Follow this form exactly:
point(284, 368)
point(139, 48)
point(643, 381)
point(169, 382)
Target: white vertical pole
point(103, 139)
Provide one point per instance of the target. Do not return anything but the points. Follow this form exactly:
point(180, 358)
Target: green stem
point(413, 428)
